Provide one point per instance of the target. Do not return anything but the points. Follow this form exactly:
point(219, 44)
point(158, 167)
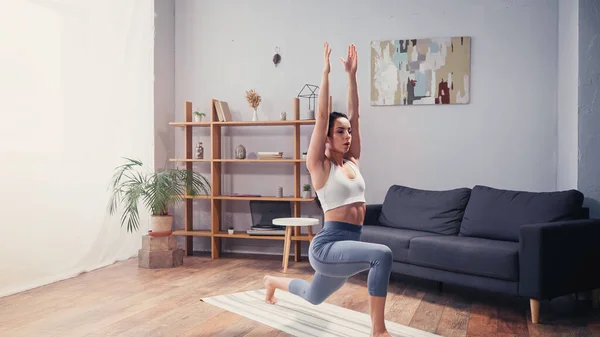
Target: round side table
point(289, 224)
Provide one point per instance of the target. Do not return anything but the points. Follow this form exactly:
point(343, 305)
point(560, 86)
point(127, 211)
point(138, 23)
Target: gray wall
point(554, 114)
point(513, 90)
point(588, 177)
point(568, 77)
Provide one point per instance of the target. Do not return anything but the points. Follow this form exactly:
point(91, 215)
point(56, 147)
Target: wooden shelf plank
point(198, 124)
point(259, 160)
point(196, 196)
point(267, 123)
point(242, 235)
point(269, 198)
point(192, 233)
point(183, 160)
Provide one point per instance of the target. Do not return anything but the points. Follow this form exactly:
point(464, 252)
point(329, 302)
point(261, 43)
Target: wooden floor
point(124, 300)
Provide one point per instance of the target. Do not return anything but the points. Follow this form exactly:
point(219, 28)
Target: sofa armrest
point(372, 214)
point(559, 258)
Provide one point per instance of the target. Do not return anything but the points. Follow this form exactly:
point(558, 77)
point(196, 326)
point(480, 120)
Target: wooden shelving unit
point(216, 232)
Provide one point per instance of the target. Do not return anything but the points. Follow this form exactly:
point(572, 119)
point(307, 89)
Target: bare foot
point(270, 295)
point(381, 334)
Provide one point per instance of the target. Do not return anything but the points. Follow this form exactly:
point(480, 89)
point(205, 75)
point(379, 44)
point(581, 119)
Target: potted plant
point(306, 191)
point(230, 230)
point(198, 116)
point(158, 191)
point(304, 155)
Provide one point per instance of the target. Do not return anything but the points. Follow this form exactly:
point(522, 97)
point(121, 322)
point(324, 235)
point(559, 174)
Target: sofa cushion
point(432, 211)
point(498, 214)
point(467, 255)
point(397, 240)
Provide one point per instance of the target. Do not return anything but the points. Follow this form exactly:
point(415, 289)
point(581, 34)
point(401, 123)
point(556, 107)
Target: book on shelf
point(223, 111)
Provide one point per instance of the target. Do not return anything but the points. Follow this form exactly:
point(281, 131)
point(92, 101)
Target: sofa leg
point(534, 305)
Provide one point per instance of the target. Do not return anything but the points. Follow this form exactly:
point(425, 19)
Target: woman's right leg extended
point(318, 290)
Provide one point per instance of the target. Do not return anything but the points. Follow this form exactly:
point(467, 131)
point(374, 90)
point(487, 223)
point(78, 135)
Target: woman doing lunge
point(336, 252)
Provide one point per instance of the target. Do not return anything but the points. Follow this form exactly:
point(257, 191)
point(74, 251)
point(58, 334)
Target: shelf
point(183, 160)
point(268, 198)
point(267, 123)
point(245, 123)
point(192, 233)
point(190, 160)
point(242, 235)
point(198, 124)
point(217, 195)
point(238, 235)
point(196, 196)
point(233, 197)
point(259, 160)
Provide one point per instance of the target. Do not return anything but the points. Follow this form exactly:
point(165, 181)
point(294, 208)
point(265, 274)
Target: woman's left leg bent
point(346, 258)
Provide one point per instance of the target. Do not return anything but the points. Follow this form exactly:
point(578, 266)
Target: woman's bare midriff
point(352, 213)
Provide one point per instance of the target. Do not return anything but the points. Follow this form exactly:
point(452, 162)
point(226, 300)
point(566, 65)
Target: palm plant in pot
point(158, 191)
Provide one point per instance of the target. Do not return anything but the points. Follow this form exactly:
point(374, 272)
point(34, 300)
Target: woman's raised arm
point(316, 148)
point(350, 65)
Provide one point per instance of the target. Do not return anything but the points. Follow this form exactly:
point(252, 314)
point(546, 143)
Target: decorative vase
point(161, 225)
point(306, 194)
point(197, 118)
point(240, 152)
point(311, 114)
point(199, 151)
point(230, 231)
point(279, 192)
point(283, 116)
point(255, 115)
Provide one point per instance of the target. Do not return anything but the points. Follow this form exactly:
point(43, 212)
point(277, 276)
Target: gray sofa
point(538, 245)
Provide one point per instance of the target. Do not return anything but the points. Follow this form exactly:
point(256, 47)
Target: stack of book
point(270, 155)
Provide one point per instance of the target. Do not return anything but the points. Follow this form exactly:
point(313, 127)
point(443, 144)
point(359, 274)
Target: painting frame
point(425, 71)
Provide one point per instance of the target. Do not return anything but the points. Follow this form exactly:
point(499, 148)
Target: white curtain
point(76, 95)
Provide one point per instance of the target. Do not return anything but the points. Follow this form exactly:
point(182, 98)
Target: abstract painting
point(421, 71)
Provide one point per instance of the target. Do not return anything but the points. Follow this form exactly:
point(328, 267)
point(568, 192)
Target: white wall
point(506, 136)
point(83, 70)
point(568, 87)
point(164, 81)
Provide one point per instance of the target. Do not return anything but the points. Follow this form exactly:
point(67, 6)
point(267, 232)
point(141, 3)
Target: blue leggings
point(336, 253)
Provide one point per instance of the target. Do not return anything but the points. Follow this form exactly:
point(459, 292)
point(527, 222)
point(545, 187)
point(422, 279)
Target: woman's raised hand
point(327, 64)
point(351, 62)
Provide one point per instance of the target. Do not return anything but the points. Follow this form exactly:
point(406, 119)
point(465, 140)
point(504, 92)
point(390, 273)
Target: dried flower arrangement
point(253, 98)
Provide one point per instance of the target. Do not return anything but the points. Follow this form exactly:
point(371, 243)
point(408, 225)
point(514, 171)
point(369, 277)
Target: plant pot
point(197, 118)
point(306, 194)
point(230, 231)
point(161, 225)
point(304, 156)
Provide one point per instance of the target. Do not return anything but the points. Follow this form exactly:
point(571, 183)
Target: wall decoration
point(421, 71)
point(276, 57)
point(310, 91)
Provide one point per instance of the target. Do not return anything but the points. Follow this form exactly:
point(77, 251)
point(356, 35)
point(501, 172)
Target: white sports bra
point(339, 190)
